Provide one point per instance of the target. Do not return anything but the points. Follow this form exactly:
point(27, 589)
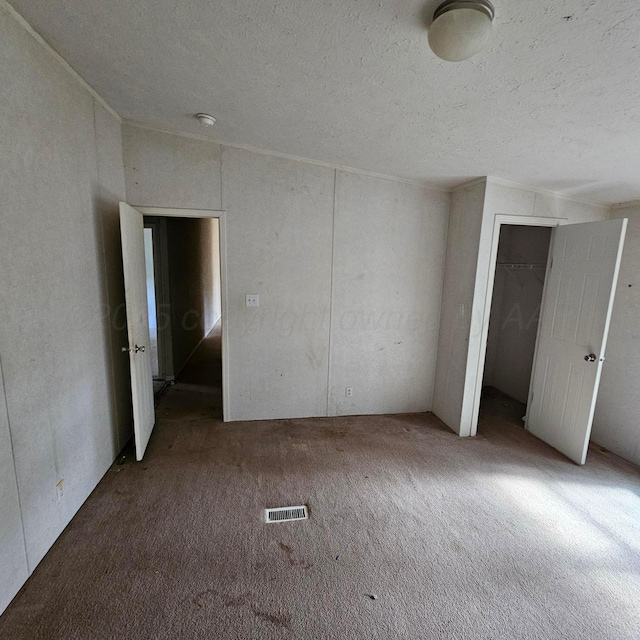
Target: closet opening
point(520, 272)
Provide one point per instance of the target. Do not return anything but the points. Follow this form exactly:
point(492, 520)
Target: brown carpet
point(492, 537)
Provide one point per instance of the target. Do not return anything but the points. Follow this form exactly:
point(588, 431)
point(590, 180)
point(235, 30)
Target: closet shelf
point(520, 265)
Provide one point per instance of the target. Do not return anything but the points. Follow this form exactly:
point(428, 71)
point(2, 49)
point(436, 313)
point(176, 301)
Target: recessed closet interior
point(513, 325)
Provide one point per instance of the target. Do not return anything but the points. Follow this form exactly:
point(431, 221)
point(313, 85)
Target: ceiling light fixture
point(206, 119)
point(460, 29)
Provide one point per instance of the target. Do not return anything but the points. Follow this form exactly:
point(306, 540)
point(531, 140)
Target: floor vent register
point(286, 514)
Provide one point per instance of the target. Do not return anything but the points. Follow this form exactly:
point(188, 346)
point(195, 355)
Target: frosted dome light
point(460, 29)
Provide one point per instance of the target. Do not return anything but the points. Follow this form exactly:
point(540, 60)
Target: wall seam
point(333, 244)
point(114, 400)
point(15, 467)
point(220, 172)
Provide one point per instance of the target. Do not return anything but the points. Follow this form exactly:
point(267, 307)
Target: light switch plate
point(252, 300)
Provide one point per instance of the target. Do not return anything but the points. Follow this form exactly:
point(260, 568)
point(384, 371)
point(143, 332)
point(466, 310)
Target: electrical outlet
point(348, 392)
point(252, 300)
point(60, 490)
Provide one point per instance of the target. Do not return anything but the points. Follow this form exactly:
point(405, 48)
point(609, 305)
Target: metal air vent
point(286, 514)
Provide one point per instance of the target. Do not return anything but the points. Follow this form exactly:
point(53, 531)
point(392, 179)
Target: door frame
point(475, 370)
point(167, 212)
point(163, 298)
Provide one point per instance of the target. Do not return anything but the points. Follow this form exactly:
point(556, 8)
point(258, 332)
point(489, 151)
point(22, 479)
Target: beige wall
point(348, 268)
point(388, 264)
point(66, 407)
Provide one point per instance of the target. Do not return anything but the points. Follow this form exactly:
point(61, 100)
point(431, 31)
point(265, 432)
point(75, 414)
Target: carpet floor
point(413, 533)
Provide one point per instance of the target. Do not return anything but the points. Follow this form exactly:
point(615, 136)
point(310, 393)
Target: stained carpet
point(413, 533)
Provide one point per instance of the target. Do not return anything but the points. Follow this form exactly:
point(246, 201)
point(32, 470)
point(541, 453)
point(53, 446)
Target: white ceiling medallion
point(460, 29)
point(206, 119)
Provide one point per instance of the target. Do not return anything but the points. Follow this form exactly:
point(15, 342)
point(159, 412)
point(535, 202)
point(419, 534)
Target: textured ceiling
point(554, 102)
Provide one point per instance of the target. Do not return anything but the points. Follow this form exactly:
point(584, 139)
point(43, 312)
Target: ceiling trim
point(11, 12)
point(626, 205)
point(526, 187)
point(468, 184)
point(547, 192)
point(285, 156)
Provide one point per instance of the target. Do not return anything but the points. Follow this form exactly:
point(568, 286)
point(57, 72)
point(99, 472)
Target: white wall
point(465, 220)
point(13, 553)
point(60, 178)
point(109, 190)
point(171, 171)
point(389, 247)
point(279, 235)
point(616, 424)
point(326, 250)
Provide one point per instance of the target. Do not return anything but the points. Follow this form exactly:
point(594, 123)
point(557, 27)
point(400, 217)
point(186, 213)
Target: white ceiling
point(554, 103)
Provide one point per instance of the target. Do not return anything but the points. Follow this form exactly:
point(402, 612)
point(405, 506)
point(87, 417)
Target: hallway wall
point(213, 288)
point(190, 257)
point(65, 409)
point(348, 268)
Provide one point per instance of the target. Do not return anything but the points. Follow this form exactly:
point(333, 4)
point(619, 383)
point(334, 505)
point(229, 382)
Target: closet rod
point(520, 265)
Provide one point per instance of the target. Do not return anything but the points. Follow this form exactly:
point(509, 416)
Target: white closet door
point(576, 311)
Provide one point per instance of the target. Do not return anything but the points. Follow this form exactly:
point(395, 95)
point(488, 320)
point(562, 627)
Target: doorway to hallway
point(183, 275)
point(197, 391)
point(191, 314)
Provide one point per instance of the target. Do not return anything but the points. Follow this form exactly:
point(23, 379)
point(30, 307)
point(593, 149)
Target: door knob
point(127, 350)
point(591, 357)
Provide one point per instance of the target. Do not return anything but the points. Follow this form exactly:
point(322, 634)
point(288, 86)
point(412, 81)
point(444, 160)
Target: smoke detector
point(206, 119)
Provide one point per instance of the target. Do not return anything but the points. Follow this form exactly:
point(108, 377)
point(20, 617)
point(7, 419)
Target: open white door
point(132, 234)
point(572, 336)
